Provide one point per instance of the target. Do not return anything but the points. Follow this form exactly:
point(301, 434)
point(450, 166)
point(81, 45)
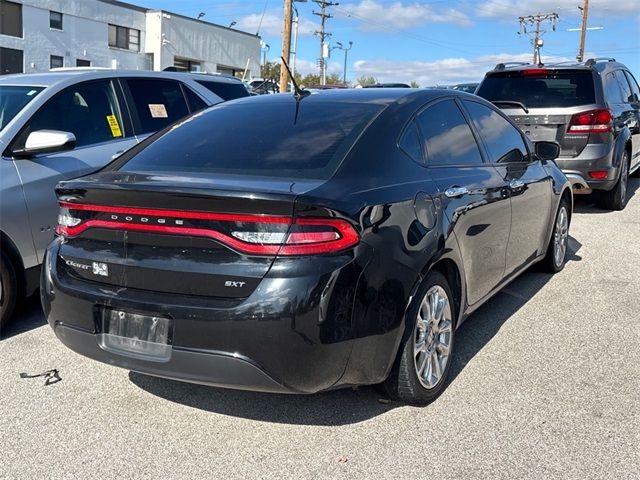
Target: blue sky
point(433, 42)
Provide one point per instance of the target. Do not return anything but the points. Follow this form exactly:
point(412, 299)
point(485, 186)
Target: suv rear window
point(551, 89)
point(257, 139)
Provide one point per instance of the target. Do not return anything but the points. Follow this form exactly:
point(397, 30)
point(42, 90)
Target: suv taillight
point(593, 121)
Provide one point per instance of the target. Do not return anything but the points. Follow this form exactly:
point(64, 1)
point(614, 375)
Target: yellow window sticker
point(158, 110)
point(114, 126)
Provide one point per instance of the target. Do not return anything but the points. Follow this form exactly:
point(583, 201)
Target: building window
point(11, 61)
point(56, 61)
point(55, 20)
point(10, 18)
point(185, 65)
point(125, 38)
point(82, 63)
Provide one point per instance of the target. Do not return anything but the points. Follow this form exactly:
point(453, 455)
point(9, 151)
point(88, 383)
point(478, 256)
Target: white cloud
point(512, 9)
point(448, 71)
point(272, 24)
point(305, 67)
point(374, 16)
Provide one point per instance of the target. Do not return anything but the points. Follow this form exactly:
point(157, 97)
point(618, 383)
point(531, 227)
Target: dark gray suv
point(592, 109)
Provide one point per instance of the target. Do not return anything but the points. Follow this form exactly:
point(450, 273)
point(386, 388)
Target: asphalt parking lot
point(545, 384)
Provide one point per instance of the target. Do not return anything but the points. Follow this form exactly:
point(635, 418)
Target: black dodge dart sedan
point(304, 243)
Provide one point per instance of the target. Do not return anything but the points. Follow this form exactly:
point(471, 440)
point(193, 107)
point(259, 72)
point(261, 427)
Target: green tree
point(310, 80)
point(334, 79)
point(270, 71)
point(415, 84)
point(364, 81)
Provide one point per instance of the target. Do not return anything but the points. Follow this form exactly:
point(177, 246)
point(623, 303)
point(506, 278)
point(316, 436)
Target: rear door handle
point(453, 192)
point(513, 184)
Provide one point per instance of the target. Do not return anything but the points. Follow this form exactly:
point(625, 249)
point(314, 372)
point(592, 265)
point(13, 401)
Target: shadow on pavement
point(27, 316)
point(349, 406)
point(588, 204)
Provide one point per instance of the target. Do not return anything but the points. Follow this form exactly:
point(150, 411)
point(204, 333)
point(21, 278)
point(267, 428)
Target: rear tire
point(421, 368)
point(556, 257)
point(616, 198)
point(8, 289)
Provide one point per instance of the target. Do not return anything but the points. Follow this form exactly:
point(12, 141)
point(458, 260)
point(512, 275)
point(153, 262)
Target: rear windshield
point(226, 91)
point(13, 99)
point(552, 89)
point(258, 139)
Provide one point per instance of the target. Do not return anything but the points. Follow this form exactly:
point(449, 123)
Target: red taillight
point(593, 121)
point(246, 233)
point(534, 72)
point(598, 174)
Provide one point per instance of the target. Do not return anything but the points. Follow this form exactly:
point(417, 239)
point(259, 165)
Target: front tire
point(420, 371)
point(8, 290)
point(616, 199)
point(556, 256)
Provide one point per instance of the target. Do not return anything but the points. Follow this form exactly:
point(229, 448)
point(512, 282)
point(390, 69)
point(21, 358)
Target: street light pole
point(344, 70)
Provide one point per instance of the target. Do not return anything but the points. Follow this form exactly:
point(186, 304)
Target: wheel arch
point(9, 248)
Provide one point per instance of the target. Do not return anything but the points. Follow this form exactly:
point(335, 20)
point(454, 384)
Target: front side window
point(125, 38)
point(55, 20)
point(13, 99)
point(56, 61)
point(89, 111)
point(10, 18)
point(503, 141)
point(158, 103)
point(447, 137)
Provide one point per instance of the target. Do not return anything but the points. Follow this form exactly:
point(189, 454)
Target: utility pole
point(583, 30)
point(324, 49)
point(286, 45)
point(536, 35)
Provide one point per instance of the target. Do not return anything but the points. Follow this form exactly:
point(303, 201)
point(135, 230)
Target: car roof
point(378, 96)
point(48, 79)
point(598, 64)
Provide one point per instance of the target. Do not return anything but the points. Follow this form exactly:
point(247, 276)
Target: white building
point(36, 35)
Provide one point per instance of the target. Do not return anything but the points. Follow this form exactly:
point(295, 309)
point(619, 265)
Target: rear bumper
point(295, 333)
point(203, 367)
point(594, 157)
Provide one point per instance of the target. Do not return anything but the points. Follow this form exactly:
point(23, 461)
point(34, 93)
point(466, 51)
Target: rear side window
point(612, 90)
point(447, 137)
point(195, 102)
point(158, 103)
point(410, 143)
point(624, 86)
point(88, 110)
point(503, 141)
point(263, 139)
point(226, 91)
point(553, 89)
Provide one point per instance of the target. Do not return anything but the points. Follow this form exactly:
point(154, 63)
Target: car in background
point(388, 85)
point(62, 124)
point(342, 244)
point(465, 87)
point(592, 109)
point(262, 86)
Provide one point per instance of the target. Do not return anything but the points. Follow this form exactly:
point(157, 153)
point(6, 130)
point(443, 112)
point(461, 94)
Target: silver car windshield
point(13, 99)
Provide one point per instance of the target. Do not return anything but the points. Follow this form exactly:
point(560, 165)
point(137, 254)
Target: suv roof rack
point(592, 61)
point(502, 66)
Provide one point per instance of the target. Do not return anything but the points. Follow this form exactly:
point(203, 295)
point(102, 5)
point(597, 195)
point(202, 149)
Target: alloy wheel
point(432, 337)
point(561, 236)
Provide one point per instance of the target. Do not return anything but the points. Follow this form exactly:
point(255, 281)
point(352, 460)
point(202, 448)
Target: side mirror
point(46, 141)
point(547, 150)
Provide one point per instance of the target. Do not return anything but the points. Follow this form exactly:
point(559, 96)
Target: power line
point(536, 20)
point(324, 48)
